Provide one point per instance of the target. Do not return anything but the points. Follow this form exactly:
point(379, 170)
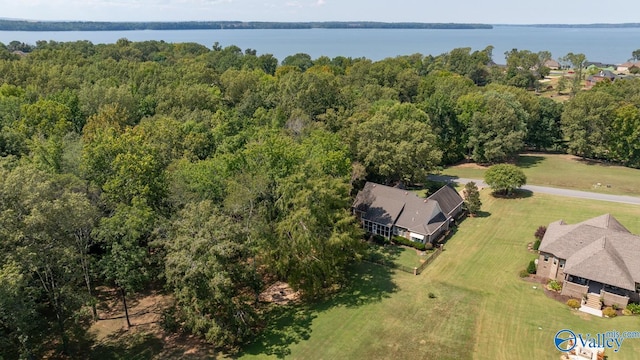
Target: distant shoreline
point(27, 25)
point(577, 26)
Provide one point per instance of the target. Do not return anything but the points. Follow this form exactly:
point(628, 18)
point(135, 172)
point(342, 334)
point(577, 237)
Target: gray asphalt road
point(550, 190)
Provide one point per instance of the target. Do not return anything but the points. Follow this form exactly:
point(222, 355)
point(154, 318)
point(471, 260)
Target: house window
point(555, 261)
point(546, 258)
point(637, 288)
point(561, 264)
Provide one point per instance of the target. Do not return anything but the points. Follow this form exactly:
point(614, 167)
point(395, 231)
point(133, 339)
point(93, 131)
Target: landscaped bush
point(380, 240)
point(524, 273)
point(407, 242)
point(428, 246)
point(609, 312)
point(634, 308)
point(554, 285)
point(531, 269)
point(626, 312)
point(539, 234)
point(573, 303)
point(536, 245)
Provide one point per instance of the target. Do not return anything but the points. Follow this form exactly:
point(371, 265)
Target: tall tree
point(212, 273)
point(624, 146)
point(504, 178)
point(441, 90)
point(576, 61)
point(496, 126)
point(125, 237)
point(586, 121)
point(472, 198)
point(397, 143)
point(40, 214)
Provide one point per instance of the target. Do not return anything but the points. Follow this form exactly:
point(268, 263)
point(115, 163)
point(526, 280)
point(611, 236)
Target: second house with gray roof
point(389, 211)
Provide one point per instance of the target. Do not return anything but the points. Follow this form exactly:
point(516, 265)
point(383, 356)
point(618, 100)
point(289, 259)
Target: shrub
point(531, 269)
point(539, 234)
point(428, 246)
point(432, 295)
point(634, 308)
point(554, 285)
point(573, 303)
point(626, 312)
point(407, 242)
point(609, 312)
point(379, 239)
point(536, 245)
point(524, 273)
point(169, 319)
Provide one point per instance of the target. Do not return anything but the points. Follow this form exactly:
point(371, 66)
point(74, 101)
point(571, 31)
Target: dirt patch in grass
point(471, 165)
point(280, 293)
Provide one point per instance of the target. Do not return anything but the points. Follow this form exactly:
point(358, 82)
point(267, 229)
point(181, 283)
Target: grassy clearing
point(482, 309)
point(565, 171)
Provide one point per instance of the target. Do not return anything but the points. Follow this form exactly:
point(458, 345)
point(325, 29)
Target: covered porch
point(579, 287)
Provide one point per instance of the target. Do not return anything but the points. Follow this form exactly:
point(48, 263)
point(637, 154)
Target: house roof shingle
point(388, 206)
point(448, 199)
point(599, 249)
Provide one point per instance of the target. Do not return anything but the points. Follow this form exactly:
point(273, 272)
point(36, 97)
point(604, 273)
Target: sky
point(459, 11)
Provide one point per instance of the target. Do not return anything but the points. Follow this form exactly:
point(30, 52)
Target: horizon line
point(328, 21)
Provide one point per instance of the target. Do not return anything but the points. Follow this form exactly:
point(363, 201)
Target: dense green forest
point(24, 25)
point(213, 172)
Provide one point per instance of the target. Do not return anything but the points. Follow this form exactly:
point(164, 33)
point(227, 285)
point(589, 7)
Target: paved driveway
point(549, 190)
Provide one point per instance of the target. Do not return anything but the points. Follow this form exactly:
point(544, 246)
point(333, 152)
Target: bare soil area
point(145, 338)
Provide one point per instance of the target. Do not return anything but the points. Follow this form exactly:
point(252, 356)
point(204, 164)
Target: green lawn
point(482, 309)
point(401, 255)
point(564, 171)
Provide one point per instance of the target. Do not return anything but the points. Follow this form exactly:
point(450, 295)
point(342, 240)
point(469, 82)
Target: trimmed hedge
point(413, 244)
point(536, 245)
point(531, 269)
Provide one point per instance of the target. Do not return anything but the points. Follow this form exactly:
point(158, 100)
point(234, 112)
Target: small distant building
point(603, 75)
point(627, 66)
point(599, 65)
point(552, 64)
point(389, 211)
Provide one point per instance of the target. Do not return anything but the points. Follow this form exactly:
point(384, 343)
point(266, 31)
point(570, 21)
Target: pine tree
point(472, 198)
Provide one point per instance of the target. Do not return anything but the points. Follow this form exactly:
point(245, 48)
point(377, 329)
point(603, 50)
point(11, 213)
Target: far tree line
point(211, 171)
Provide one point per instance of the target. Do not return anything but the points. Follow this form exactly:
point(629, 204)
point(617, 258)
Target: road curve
point(549, 190)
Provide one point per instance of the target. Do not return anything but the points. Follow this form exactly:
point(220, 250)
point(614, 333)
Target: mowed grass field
point(565, 171)
point(481, 309)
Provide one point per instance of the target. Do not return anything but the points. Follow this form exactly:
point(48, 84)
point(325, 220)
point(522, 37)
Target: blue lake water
point(610, 45)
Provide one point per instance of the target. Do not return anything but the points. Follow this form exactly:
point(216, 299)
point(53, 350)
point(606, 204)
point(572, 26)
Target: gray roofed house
point(388, 211)
point(450, 201)
point(598, 257)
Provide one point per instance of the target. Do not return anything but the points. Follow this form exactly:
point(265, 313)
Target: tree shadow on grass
point(286, 325)
point(516, 194)
point(529, 161)
point(291, 324)
point(124, 345)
